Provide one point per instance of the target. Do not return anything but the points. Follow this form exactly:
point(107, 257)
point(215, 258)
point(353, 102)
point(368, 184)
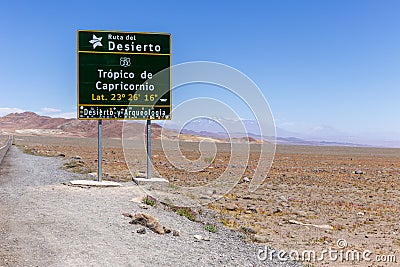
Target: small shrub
point(211, 228)
point(182, 211)
point(148, 200)
point(229, 223)
point(172, 186)
point(209, 160)
point(77, 166)
point(186, 212)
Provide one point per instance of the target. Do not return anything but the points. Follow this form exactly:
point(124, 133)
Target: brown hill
point(247, 139)
point(30, 123)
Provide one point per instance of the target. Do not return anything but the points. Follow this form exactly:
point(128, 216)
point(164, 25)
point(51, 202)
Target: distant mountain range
point(213, 128)
point(30, 123)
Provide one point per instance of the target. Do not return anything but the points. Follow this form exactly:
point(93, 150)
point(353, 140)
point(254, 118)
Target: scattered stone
point(322, 226)
point(286, 205)
point(148, 221)
point(231, 207)
point(252, 208)
point(198, 237)
point(283, 198)
point(314, 211)
point(211, 192)
point(204, 197)
point(301, 213)
point(73, 163)
point(260, 239)
point(126, 214)
point(141, 230)
point(248, 230)
point(138, 199)
point(140, 175)
point(176, 233)
point(277, 210)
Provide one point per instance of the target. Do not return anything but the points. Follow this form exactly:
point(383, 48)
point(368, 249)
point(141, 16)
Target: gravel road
point(46, 223)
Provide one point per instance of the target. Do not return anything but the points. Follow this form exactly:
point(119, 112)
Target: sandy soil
point(312, 197)
point(3, 140)
point(46, 223)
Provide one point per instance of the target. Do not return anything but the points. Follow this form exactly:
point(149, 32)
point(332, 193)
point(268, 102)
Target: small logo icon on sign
point(96, 41)
point(125, 61)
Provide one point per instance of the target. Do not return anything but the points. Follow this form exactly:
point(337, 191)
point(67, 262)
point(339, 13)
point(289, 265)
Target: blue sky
point(322, 65)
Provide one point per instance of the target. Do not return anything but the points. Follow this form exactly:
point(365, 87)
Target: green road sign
point(119, 75)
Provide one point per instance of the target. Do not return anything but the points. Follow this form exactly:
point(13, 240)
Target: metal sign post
point(99, 150)
point(148, 149)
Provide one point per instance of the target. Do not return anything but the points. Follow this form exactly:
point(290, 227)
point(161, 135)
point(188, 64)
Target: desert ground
point(3, 140)
point(311, 198)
